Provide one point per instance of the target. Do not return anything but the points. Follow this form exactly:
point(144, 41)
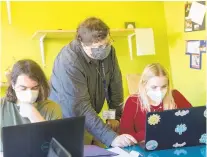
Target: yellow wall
point(28, 17)
point(191, 82)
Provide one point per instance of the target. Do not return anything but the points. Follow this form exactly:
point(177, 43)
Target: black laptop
point(57, 150)
point(175, 128)
point(33, 140)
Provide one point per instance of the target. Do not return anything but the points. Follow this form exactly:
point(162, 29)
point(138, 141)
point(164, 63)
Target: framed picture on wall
point(195, 61)
point(195, 16)
point(195, 48)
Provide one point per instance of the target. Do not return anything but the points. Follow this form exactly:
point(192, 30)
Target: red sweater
point(133, 119)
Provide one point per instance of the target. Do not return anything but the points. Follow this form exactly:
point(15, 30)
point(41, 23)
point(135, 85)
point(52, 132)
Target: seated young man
point(26, 98)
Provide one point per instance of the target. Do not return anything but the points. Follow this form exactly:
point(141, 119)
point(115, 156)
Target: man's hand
point(26, 110)
point(30, 112)
point(142, 142)
point(113, 124)
point(124, 140)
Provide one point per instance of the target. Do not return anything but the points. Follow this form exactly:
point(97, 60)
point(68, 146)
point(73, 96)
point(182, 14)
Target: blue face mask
point(100, 53)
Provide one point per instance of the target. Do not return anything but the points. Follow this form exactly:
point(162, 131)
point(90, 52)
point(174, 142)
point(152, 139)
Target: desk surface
point(197, 151)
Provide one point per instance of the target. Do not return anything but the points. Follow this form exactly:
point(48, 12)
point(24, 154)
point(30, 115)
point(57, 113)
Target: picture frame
point(189, 25)
point(195, 61)
point(195, 48)
point(130, 25)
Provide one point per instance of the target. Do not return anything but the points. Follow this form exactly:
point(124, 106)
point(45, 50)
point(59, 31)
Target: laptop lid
point(57, 150)
point(32, 140)
point(175, 128)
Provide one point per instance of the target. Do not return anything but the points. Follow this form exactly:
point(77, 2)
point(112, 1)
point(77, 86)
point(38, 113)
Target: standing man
point(85, 72)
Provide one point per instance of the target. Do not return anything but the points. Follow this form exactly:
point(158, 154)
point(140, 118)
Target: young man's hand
point(30, 112)
point(25, 110)
point(113, 124)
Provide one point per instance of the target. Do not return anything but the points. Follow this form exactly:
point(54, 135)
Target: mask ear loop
point(83, 47)
point(111, 40)
point(13, 87)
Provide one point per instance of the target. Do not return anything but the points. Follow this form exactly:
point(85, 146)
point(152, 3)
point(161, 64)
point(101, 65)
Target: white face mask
point(27, 96)
point(157, 96)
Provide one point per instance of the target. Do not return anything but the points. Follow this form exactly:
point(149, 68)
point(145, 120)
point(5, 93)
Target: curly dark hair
point(31, 69)
point(92, 30)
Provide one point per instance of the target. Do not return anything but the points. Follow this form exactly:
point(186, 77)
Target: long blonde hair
point(150, 71)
